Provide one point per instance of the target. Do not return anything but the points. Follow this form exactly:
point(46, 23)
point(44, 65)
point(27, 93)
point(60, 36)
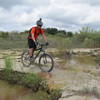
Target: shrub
point(8, 63)
point(55, 94)
point(31, 81)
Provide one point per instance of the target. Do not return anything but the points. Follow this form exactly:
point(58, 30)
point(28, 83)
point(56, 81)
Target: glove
point(47, 43)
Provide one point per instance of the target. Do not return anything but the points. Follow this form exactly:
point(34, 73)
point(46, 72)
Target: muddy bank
point(29, 80)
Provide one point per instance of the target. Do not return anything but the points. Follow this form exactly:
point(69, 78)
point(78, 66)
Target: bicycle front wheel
point(46, 63)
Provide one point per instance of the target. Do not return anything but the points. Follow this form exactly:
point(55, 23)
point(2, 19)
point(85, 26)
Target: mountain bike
point(45, 60)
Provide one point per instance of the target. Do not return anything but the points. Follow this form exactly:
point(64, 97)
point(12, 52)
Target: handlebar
point(41, 44)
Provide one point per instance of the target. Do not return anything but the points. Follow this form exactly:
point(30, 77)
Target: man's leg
point(31, 52)
point(32, 47)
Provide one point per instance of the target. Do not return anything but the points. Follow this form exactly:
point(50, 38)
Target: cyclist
point(33, 35)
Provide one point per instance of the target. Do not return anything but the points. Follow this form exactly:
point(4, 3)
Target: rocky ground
point(78, 81)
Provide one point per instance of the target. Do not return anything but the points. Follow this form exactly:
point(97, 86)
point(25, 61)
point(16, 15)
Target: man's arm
point(45, 38)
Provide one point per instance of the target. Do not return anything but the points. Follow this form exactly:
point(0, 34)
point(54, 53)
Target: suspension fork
point(44, 56)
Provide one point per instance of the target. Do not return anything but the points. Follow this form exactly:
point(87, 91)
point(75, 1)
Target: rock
point(67, 94)
point(80, 98)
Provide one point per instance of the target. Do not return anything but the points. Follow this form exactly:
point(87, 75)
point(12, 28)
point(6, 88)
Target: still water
point(83, 61)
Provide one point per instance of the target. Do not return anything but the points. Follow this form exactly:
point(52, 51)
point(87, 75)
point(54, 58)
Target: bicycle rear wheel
point(25, 59)
point(46, 63)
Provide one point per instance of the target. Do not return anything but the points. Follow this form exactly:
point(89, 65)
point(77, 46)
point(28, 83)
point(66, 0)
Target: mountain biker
point(33, 35)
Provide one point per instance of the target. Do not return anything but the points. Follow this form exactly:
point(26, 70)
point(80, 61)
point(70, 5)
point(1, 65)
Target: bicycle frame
point(39, 51)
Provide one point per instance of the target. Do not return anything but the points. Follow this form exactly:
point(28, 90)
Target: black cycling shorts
point(31, 44)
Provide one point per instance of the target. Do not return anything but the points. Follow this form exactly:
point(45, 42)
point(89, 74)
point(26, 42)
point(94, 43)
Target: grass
point(54, 40)
point(19, 41)
point(12, 44)
point(8, 63)
point(59, 42)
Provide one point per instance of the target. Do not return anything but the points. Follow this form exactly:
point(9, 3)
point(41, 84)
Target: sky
point(70, 15)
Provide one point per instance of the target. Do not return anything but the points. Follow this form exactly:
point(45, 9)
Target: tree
point(4, 34)
point(69, 34)
point(52, 31)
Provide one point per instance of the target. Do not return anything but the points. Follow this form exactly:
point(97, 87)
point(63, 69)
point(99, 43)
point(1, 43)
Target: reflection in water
point(77, 61)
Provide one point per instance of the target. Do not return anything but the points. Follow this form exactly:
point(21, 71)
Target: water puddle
point(85, 61)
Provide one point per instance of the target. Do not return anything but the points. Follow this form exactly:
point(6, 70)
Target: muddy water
point(9, 92)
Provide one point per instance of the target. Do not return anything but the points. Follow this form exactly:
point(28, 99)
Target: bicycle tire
point(22, 57)
point(42, 67)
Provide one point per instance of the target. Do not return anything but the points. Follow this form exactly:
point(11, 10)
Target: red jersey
point(36, 31)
